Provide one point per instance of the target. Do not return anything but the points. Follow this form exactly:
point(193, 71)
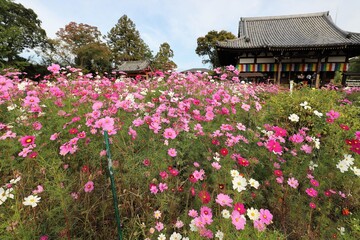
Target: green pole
point(111, 174)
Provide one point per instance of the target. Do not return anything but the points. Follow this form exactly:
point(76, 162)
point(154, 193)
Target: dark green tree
point(125, 42)
point(206, 46)
point(162, 60)
point(95, 57)
point(20, 29)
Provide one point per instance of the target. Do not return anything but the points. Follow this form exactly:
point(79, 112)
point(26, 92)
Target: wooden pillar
point(279, 72)
point(343, 80)
point(318, 69)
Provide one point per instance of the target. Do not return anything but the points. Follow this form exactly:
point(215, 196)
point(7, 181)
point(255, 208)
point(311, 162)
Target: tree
point(78, 35)
point(162, 59)
point(354, 65)
point(206, 46)
point(20, 29)
point(125, 42)
point(95, 57)
point(79, 45)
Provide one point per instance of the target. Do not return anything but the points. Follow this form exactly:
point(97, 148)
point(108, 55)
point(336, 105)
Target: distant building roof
point(316, 30)
point(134, 66)
point(194, 70)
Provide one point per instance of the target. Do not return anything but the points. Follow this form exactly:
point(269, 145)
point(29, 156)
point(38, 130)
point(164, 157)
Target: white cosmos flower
point(239, 183)
point(255, 184)
point(317, 113)
point(253, 214)
point(225, 213)
point(294, 118)
point(234, 173)
point(342, 166)
point(31, 201)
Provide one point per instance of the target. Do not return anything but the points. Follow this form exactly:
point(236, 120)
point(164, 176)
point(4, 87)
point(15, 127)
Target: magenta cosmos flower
point(27, 140)
point(169, 133)
point(311, 192)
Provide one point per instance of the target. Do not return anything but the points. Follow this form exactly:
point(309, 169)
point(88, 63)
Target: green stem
point(113, 190)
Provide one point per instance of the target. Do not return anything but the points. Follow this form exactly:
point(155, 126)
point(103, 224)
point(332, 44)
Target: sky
point(181, 22)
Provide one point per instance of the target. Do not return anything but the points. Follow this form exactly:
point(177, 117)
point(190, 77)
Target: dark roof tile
point(290, 31)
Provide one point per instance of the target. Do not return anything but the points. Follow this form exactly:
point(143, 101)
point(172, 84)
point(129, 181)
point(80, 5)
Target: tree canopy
point(162, 60)
point(125, 42)
point(20, 29)
point(79, 45)
point(206, 46)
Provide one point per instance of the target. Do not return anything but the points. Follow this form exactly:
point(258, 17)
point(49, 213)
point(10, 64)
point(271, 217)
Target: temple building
point(291, 47)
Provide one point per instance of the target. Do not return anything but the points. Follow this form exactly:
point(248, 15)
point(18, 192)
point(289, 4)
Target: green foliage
point(20, 28)
point(125, 42)
point(354, 65)
point(206, 46)
point(162, 60)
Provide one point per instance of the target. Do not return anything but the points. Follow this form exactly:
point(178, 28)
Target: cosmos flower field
point(194, 156)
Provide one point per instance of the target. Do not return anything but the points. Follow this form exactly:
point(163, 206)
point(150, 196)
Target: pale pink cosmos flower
point(238, 220)
point(224, 200)
point(163, 187)
point(259, 225)
point(39, 189)
point(172, 152)
point(159, 226)
point(193, 213)
point(37, 126)
point(216, 165)
point(306, 148)
point(179, 224)
point(89, 186)
point(169, 133)
point(265, 216)
point(245, 106)
point(293, 182)
point(154, 189)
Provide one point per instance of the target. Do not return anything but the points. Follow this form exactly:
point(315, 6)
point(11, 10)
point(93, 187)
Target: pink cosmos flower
point(265, 216)
point(274, 146)
point(357, 135)
point(216, 165)
point(172, 152)
point(259, 225)
point(240, 208)
point(38, 190)
point(311, 192)
point(238, 220)
point(296, 138)
point(179, 224)
point(54, 68)
point(37, 126)
point(246, 107)
point(333, 114)
point(89, 186)
point(153, 189)
point(193, 213)
point(163, 175)
point(30, 101)
point(163, 187)
point(312, 205)
point(159, 226)
point(27, 140)
point(169, 133)
point(306, 148)
point(293, 182)
point(314, 182)
point(224, 200)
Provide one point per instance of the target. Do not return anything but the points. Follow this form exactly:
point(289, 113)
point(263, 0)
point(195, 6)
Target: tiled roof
point(315, 30)
point(134, 66)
